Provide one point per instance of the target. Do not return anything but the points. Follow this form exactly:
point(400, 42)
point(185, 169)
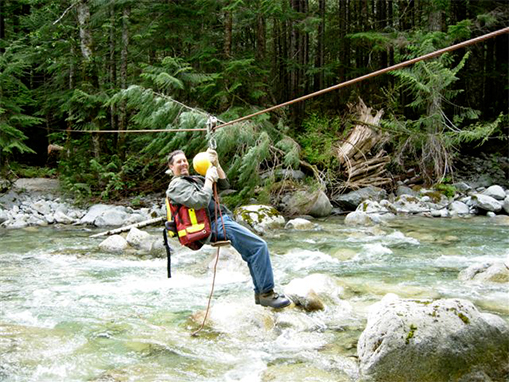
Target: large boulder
point(350, 201)
point(305, 202)
point(259, 217)
point(432, 341)
point(486, 203)
point(496, 192)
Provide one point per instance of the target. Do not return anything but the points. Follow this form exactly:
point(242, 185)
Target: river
point(70, 312)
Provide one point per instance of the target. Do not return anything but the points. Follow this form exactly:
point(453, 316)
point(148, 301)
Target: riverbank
point(39, 202)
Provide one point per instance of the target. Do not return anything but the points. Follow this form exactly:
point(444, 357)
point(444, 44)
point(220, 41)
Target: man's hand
point(213, 157)
point(212, 174)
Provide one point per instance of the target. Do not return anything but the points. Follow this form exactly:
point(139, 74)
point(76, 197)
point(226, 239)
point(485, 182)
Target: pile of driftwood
point(361, 155)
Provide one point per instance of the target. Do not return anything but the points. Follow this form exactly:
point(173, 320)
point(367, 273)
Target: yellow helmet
point(201, 163)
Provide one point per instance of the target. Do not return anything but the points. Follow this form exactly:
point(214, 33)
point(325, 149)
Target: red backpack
point(191, 226)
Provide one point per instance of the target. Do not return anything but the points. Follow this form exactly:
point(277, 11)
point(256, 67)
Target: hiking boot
point(272, 299)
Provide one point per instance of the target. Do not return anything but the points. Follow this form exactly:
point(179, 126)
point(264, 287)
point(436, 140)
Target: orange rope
point(216, 208)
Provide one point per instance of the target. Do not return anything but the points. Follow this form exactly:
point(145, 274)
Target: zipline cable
point(323, 91)
point(371, 75)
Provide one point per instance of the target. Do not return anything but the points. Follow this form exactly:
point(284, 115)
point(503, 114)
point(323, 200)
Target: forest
point(73, 71)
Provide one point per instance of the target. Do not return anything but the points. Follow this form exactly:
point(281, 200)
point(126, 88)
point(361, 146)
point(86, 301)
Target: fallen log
point(128, 227)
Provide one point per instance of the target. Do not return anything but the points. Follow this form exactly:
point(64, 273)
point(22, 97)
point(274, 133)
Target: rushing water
point(72, 313)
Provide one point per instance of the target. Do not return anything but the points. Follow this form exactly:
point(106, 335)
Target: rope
point(195, 333)
point(216, 208)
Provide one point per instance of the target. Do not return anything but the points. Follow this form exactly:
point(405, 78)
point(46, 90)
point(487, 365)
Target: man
point(196, 192)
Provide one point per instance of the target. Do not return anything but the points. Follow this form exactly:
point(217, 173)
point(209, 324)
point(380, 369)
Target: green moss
point(463, 318)
point(411, 333)
point(435, 196)
point(250, 216)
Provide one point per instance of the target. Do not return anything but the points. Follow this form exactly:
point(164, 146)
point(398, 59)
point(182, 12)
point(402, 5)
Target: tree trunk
point(113, 69)
point(123, 76)
point(2, 26)
point(260, 37)
point(85, 33)
point(228, 31)
point(320, 55)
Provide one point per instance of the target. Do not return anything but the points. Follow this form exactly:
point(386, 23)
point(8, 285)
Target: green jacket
point(189, 191)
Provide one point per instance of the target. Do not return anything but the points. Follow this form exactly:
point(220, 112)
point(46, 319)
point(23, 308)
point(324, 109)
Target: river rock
point(62, 218)
point(350, 201)
point(42, 207)
point(113, 217)
point(114, 243)
point(432, 341)
point(3, 216)
point(93, 212)
point(306, 202)
point(299, 224)
point(358, 218)
point(237, 319)
point(496, 192)
point(405, 190)
point(462, 187)
point(409, 205)
point(505, 206)
point(259, 217)
point(144, 241)
point(459, 208)
point(495, 272)
point(486, 203)
point(313, 291)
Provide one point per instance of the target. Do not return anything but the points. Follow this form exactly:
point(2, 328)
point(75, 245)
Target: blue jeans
point(252, 248)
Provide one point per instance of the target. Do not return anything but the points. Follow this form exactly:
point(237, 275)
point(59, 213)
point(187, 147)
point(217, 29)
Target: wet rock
point(496, 192)
point(486, 203)
point(238, 319)
point(259, 217)
point(299, 224)
point(505, 206)
point(432, 341)
point(350, 201)
point(114, 243)
point(136, 237)
point(358, 218)
point(312, 291)
point(495, 272)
